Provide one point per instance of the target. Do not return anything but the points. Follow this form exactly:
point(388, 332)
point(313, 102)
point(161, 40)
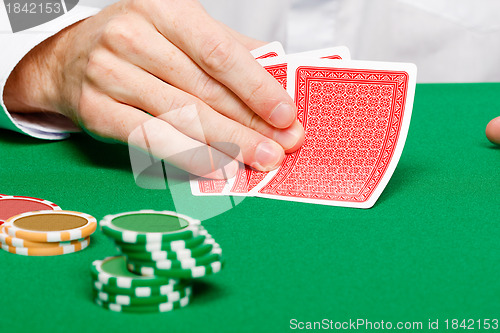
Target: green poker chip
point(128, 300)
point(162, 307)
point(177, 245)
point(113, 271)
point(174, 255)
point(141, 291)
point(177, 273)
point(176, 264)
point(148, 226)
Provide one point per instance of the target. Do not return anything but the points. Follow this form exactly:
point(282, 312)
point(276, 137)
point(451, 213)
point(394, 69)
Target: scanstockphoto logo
point(26, 14)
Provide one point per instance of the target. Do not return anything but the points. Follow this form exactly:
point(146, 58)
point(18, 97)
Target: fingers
point(149, 50)
point(219, 54)
point(493, 131)
point(107, 118)
point(133, 86)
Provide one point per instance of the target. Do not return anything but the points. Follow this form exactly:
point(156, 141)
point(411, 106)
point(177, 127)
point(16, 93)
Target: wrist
point(26, 89)
point(35, 83)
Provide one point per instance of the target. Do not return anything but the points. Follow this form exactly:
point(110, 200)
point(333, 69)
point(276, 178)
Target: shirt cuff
point(16, 45)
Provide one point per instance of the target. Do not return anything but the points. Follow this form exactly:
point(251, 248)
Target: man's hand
point(140, 59)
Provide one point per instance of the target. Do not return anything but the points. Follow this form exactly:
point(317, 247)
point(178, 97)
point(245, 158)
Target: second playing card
point(273, 49)
point(356, 116)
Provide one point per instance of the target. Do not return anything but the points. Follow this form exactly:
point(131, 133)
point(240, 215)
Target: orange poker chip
point(51, 226)
point(55, 251)
point(5, 239)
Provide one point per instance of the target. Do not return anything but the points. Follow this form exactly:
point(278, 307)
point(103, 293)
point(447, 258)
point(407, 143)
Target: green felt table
point(428, 249)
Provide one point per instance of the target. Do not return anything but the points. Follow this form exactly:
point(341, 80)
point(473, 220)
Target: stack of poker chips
point(48, 232)
point(162, 252)
point(117, 289)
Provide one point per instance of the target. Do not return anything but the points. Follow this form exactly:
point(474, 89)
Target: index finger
point(217, 52)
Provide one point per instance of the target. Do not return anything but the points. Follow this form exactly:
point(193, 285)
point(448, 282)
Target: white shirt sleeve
point(14, 47)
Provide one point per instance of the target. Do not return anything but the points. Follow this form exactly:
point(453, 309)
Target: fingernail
point(267, 156)
point(287, 138)
point(283, 115)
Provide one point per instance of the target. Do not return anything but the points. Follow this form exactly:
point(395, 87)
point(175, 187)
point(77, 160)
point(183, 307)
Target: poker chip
point(140, 291)
point(173, 255)
point(148, 226)
point(14, 205)
point(51, 226)
point(55, 251)
point(128, 300)
point(184, 264)
point(162, 307)
point(18, 242)
point(162, 252)
point(113, 271)
point(194, 254)
point(203, 238)
point(37, 227)
point(177, 273)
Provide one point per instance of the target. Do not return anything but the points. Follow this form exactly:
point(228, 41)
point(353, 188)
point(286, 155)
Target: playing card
point(356, 116)
point(247, 178)
point(277, 67)
point(274, 49)
point(205, 186)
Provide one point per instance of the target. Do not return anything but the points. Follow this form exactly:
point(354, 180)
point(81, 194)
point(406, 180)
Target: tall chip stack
point(162, 252)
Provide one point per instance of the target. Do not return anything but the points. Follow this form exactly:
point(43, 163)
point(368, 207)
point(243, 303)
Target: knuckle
point(137, 3)
point(120, 32)
point(232, 135)
point(217, 54)
point(208, 89)
point(142, 4)
point(154, 134)
point(254, 121)
point(169, 101)
point(97, 65)
point(255, 92)
point(189, 118)
point(143, 93)
point(198, 157)
point(185, 118)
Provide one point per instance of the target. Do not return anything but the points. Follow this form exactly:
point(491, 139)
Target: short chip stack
point(163, 251)
point(47, 233)
point(117, 289)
